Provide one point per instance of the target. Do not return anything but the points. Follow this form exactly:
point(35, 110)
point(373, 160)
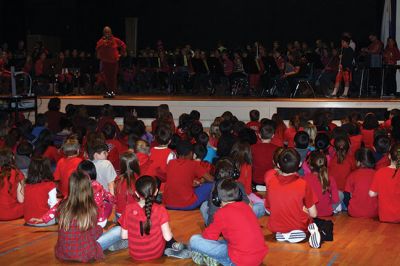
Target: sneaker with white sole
point(294, 236)
point(315, 237)
point(201, 259)
point(261, 188)
point(180, 254)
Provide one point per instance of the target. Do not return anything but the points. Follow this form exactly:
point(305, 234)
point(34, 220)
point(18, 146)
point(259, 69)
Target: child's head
point(225, 127)
point(370, 121)
point(71, 147)
point(91, 126)
point(195, 115)
point(352, 129)
point(184, 149)
point(227, 191)
point(365, 158)
point(203, 139)
point(382, 144)
point(54, 104)
point(163, 135)
point(225, 168)
point(321, 141)
point(254, 115)
point(175, 139)
point(301, 140)
point(146, 189)
point(295, 122)
point(39, 170)
point(25, 148)
point(99, 151)
point(319, 164)
point(129, 164)
point(241, 153)
point(107, 110)
point(80, 206)
point(289, 161)
point(342, 146)
point(41, 120)
point(109, 131)
point(311, 130)
point(195, 130)
point(88, 168)
point(267, 129)
point(247, 135)
point(275, 156)
point(200, 151)
point(142, 146)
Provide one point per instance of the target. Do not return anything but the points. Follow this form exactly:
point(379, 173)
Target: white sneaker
point(261, 188)
point(315, 237)
point(294, 236)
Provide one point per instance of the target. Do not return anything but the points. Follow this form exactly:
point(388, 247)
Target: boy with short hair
point(115, 147)
point(105, 170)
point(67, 165)
point(243, 242)
point(254, 123)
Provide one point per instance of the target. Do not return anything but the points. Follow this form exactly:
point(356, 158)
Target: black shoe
point(331, 96)
point(344, 96)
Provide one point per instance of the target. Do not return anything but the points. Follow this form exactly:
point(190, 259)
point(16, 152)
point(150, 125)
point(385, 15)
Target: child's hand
point(196, 183)
point(305, 209)
point(36, 221)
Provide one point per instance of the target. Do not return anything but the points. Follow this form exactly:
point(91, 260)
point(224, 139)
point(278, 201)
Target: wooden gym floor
point(356, 242)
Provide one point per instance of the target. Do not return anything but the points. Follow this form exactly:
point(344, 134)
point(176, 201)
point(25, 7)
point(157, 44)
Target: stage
point(213, 106)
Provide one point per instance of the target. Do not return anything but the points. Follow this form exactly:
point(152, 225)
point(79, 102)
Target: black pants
point(390, 86)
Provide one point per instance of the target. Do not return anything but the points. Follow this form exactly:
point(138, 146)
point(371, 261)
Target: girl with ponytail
point(146, 225)
point(322, 183)
point(358, 184)
point(386, 184)
point(342, 163)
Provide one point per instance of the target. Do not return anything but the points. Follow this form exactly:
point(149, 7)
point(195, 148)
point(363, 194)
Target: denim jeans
point(202, 192)
point(110, 237)
point(216, 249)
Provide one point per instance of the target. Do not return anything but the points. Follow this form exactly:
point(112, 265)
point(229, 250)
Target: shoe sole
point(197, 258)
point(181, 254)
point(294, 236)
point(315, 237)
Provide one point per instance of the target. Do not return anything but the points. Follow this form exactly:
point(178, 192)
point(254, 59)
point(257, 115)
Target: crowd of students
point(78, 171)
point(255, 68)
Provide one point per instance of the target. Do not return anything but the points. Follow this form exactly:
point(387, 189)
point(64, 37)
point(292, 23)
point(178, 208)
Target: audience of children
point(306, 175)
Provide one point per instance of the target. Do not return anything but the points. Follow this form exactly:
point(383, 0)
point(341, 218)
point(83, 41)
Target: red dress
point(10, 208)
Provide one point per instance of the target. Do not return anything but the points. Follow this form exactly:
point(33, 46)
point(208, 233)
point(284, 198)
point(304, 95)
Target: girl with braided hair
point(322, 183)
point(146, 225)
point(386, 186)
point(11, 187)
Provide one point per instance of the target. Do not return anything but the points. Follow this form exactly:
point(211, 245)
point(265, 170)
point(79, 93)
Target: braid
point(147, 209)
point(323, 178)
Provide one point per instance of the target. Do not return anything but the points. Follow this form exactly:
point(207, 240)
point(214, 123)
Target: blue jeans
point(216, 249)
point(110, 237)
point(202, 192)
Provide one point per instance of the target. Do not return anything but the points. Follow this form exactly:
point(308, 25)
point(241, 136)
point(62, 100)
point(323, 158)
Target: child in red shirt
point(243, 242)
point(254, 123)
point(40, 193)
point(290, 132)
point(115, 147)
point(381, 151)
point(67, 165)
point(358, 184)
point(322, 183)
point(161, 155)
point(146, 225)
point(262, 153)
point(188, 183)
point(386, 186)
point(125, 182)
point(11, 188)
point(291, 202)
point(368, 129)
point(341, 165)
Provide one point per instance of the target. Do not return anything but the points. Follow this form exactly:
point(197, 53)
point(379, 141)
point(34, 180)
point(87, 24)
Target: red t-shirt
point(325, 200)
point(53, 154)
point(10, 208)
point(107, 50)
point(158, 158)
point(286, 196)
point(36, 198)
point(246, 177)
point(122, 194)
point(115, 148)
point(383, 162)
point(262, 154)
point(341, 171)
point(355, 143)
point(368, 137)
point(240, 228)
point(358, 184)
point(179, 190)
point(254, 125)
point(142, 246)
point(65, 167)
point(388, 189)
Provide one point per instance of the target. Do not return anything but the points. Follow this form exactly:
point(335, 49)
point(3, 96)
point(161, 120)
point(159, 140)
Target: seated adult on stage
point(109, 50)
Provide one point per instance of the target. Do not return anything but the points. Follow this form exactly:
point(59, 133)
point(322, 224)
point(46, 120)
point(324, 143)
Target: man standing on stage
point(109, 50)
